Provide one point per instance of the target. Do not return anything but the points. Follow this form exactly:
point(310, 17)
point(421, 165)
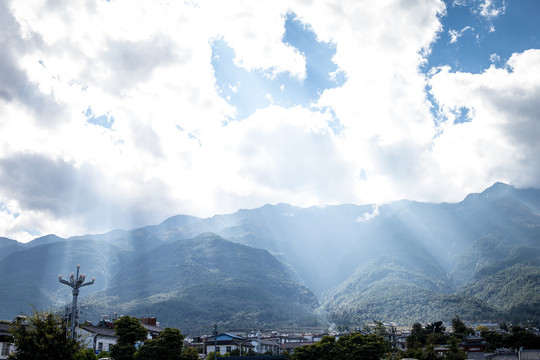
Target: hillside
point(404, 261)
point(389, 289)
point(204, 280)
point(509, 283)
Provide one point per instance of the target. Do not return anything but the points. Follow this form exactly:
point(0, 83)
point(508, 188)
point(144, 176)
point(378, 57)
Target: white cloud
point(369, 216)
point(494, 58)
point(500, 141)
point(455, 35)
point(172, 147)
point(490, 9)
point(255, 31)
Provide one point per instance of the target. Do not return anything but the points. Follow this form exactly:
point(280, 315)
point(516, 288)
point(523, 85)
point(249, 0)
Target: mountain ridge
point(403, 259)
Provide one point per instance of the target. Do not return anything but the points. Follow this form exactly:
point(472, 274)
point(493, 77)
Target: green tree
point(129, 330)
point(210, 355)
point(168, 346)
point(191, 354)
point(436, 334)
point(43, 337)
point(428, 353)
point(436, 327)
point(520, 337)
point(460, 329)
point(353, 346)
point(454, 351)
point(86, 354)
point(362, 347)
point(379, 328)
point(418, 337)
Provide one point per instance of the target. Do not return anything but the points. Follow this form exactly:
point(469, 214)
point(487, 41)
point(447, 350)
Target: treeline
point(517, 337)
point(43, 337)
point(353, 346)
point(405, 303)
point(421, 343)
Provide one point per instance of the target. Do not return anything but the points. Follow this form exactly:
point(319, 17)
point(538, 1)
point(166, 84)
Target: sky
point(119, 114)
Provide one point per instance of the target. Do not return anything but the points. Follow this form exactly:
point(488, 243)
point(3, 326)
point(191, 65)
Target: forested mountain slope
point(404, 261)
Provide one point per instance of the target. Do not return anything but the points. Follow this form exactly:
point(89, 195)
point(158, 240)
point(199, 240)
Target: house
point(225, 343)
point(6, 340)
point(151, 324)
point(474, 344)
point(290, 346)
point(266, 346)
point(316, 337)
point(285, 339)
point(102, 336)
point(290, 342)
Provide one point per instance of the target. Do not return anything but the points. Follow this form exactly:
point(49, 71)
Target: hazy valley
point(281, 265)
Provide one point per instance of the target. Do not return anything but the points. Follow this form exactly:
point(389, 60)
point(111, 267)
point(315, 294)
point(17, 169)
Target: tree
point(211, 356)
point(362, 347)
point(436, 333)
point(86, 354)
point(436, 327)
point(168, 346)
point(460, 329)
point(129, 330)
point(353, 346)
point(418, 337)
point(454, 351)
point(379, 328)
point(325, 349)
point(481, 328)
point(520, 337)
point(458, 326)
point(43, 337)
point(191, 354)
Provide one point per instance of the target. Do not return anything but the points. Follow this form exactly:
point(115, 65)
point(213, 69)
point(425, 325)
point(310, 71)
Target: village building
point(225, 343)
point(101, 337)
point(6, 341)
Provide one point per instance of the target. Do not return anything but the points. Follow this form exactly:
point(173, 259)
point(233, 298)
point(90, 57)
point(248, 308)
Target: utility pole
point(76, 282)
point(215, 341)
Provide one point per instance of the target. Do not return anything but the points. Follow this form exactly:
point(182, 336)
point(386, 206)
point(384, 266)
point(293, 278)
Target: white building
point(227, 343)
point(6, 341)
point(99, 338)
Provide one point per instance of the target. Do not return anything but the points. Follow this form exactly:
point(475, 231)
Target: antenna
point(76, 281)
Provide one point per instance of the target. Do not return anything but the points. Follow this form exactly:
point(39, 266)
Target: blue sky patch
point(256, 89)
point(105, 120)
point(470, 42)
point(4, 208)
point(463, 115)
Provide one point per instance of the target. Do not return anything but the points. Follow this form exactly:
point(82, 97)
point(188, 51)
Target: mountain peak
point(498, 189)
point(47, 239)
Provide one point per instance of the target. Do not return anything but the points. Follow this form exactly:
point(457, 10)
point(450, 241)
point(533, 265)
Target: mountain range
point(281, 265)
